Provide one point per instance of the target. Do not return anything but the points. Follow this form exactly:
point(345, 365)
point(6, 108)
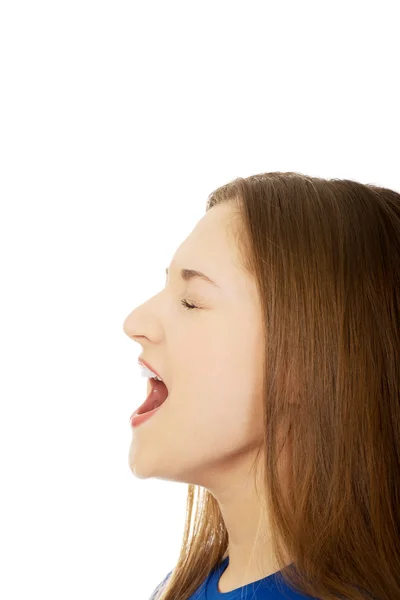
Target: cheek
point(216, 414)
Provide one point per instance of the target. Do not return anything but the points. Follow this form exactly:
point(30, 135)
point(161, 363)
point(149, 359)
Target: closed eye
point(188, 305)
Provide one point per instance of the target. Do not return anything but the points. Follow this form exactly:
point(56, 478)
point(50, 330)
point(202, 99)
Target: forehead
point(211, 248)
point(209, 241)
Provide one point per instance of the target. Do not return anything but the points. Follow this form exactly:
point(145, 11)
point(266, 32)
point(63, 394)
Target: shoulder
point(159, 587)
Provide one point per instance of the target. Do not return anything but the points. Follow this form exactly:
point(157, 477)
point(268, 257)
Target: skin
point(209, 430)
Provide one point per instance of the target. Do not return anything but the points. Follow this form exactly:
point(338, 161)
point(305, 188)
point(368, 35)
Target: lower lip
point(137, 420)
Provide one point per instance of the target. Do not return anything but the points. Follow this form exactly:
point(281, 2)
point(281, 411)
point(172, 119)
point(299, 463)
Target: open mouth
point(157, 396)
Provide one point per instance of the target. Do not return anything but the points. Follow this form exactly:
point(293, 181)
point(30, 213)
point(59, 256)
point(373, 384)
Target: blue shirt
point(268, 588)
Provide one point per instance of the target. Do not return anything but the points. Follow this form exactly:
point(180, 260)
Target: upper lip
point(146, 364)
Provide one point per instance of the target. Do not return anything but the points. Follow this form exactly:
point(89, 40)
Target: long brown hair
point(325, 254)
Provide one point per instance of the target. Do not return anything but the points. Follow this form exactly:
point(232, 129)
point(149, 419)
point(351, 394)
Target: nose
point(128, 330)
point(141, 319)
point(125, 327)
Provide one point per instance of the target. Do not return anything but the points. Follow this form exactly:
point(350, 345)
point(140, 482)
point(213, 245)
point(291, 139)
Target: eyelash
point(188, 305)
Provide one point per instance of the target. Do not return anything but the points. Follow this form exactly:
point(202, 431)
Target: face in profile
point(211, 357)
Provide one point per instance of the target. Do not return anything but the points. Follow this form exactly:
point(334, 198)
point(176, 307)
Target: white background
point(117, 119)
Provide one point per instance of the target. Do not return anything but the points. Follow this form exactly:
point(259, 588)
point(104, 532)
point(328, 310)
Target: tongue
point(157, 396)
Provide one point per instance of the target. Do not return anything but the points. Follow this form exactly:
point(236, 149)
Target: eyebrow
point(188, 274)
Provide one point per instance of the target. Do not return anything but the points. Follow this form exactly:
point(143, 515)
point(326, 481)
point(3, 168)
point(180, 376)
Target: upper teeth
point(148, 373)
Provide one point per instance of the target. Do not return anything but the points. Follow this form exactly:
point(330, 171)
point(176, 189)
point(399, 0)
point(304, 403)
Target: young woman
point(277, 340)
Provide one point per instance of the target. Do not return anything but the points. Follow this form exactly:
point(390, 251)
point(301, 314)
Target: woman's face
point(211, 358)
